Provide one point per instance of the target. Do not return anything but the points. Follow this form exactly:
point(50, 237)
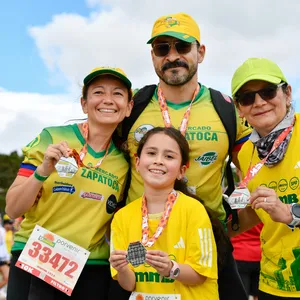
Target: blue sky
point(19, 57)
point(47, 48)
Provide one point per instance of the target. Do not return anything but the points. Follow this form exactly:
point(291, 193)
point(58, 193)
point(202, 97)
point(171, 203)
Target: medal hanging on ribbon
point(165, 111)
point(136, 250)
point(68, 166)
point(240, 196)
point(149, 241)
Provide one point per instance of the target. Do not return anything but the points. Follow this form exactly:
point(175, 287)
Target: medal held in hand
point(241, 195)
point(66, 167)
point(136, 254)
point(239, 198)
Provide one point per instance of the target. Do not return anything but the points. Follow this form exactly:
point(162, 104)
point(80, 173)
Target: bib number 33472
point(53, 259)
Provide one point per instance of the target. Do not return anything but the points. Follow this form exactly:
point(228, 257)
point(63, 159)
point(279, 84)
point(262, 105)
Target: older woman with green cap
point(70, 183)
point(270, 163)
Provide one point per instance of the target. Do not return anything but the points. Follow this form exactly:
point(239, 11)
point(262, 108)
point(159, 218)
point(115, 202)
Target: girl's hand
point(118, 260)
point(51, 156)
point(268, 200)
point(160, 261)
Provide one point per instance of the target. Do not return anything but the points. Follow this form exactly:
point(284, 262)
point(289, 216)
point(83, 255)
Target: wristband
point(39, 177)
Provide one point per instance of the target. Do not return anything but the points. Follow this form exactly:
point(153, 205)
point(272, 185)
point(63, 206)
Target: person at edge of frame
point(75, 203)
point(270, 164)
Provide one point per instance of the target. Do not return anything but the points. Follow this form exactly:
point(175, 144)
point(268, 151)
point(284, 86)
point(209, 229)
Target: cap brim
point(178, 35)
point(95, 74)
point(264, 77)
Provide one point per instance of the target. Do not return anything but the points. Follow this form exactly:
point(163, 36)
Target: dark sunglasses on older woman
point(162, 49)
point(267, 93)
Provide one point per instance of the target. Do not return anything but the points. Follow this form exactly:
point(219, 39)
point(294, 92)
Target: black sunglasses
point(162, 49)
point(267, 93)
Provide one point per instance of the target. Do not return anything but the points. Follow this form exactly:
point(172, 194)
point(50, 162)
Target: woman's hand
point(51, 156)
point(160, 261)
point(268, 200)
point(118, 260)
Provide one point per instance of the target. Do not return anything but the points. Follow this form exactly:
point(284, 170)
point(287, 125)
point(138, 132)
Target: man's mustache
point(174, 64)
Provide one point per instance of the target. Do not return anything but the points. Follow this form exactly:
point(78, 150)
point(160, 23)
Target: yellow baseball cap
point(256, 69)
point(7, 220)
point(180, 26)
point(117, 72)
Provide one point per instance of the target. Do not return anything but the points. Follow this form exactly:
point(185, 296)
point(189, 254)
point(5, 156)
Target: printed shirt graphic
point(208, 142)
point(187, 238)
point(74, 208)
point(280, 264)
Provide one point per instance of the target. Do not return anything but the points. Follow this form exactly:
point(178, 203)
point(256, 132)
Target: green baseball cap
point(117, 72)
point(256, 69)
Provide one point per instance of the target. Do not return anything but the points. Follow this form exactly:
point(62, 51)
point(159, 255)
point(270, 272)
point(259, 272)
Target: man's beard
point(175, 79)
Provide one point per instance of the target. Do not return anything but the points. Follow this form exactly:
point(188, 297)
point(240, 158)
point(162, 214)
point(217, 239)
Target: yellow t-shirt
point(208, 143)
point(75, 208)
point(9, 238)
point(188, 239)
point(280, 264)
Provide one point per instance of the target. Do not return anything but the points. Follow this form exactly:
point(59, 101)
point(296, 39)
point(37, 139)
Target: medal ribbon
point(79, 157)
point(252, 171)
point(146, 241)
point(165, 112)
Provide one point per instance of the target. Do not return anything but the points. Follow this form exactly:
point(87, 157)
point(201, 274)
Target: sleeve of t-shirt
point(117, 238)
point(243, 132)
point(201, 246)
point(34, 153)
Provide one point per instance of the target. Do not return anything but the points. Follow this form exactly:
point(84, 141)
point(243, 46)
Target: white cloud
point(231, 30)
point(23, 120)
point(71, 45)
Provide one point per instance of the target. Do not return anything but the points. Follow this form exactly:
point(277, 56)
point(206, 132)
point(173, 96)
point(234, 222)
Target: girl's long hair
point(221, 237)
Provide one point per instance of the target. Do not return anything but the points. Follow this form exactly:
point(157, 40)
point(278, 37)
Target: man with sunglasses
point(180, 101)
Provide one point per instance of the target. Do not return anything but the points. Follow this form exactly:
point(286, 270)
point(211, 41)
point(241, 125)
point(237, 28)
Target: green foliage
point(9, 166)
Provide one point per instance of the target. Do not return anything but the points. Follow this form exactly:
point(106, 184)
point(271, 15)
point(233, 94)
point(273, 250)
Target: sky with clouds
point(48, 47)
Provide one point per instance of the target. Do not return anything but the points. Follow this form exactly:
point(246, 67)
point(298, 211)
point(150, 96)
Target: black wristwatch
point(295, 211)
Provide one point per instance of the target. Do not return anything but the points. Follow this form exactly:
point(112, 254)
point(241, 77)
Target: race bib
point(53, 259)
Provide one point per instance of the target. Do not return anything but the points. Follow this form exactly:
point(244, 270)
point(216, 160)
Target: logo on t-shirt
point(91, 195)
point(141, 131)
point(111, 204)
point(64, 189)
point(180, 244)
point(207, 158)
point(32, 144)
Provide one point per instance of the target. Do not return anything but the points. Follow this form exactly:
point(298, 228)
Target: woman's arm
point(247, 219)
point(22, 195)
point(267, 199)
point(24, 190)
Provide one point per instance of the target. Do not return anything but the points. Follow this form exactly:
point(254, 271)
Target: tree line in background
point(9, 166)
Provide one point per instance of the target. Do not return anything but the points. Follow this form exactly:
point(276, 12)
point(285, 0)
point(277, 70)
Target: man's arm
point(235, 159)
point(248, 218)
